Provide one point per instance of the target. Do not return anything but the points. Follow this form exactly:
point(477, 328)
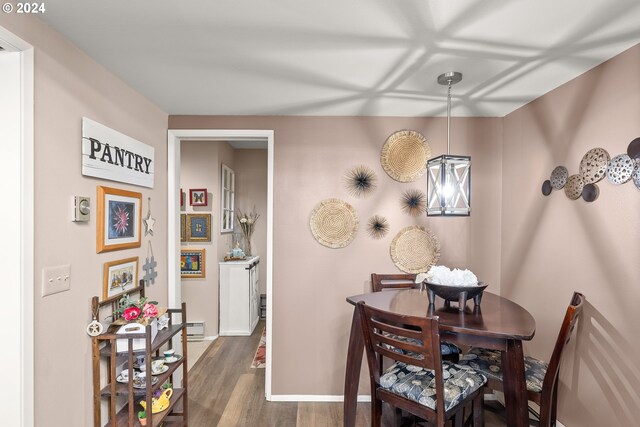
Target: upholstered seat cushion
point(489, 362)
point(418, 384)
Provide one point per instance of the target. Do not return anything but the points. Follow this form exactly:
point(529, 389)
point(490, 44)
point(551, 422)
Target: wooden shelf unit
point(104, 349)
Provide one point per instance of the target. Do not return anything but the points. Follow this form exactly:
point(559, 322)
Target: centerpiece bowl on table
point(452, 285)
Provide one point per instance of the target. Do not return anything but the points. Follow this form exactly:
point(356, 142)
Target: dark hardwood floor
point(225, 391)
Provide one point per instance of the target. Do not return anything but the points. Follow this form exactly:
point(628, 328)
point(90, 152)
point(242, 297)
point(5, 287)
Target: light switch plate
point(56, 279)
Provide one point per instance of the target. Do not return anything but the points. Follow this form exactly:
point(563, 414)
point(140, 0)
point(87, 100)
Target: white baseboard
point(210, 338)
point(314, 398)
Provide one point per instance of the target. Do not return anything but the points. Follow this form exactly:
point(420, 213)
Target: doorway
point(16, 252)
point(174, 140)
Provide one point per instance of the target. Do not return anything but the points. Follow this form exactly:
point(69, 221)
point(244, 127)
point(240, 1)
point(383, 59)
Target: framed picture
point(199, 227)
point(119, 276)
point(119, 219)
point(181, 199)
point(198, 197)
point(192, 263)
point(183, 227)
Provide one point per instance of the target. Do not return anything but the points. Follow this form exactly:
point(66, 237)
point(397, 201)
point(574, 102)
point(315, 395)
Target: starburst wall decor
point(378, 226)
point(361, 181)
point(413, 202)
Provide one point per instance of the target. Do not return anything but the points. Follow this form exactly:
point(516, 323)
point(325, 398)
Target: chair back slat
point(564, 336)
point(393, 281)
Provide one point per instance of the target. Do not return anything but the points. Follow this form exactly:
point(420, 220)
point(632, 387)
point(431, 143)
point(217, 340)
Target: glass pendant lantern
point(449, 176)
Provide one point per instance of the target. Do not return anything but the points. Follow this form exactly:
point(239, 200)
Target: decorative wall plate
point(415, 249)
point(334, 223)
point(636, 177)
point(546, 187)
point(594, 165)
point(404, 155)
point(633, 150)
point(573, 189)
point(559, 177)
point(590, 192)
point(620, 169)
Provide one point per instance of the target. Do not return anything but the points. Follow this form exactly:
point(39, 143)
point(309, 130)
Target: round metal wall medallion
point(633, 150)
point(636, 177)
point(620, 169)
point(546, 188)
point(590, 192)
point(559, 177)
point(573, 189)
point(594, 165)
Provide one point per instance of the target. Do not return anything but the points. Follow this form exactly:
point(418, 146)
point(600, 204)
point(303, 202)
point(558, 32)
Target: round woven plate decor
point(415, 249)
point(334, 223)
point(404, 155)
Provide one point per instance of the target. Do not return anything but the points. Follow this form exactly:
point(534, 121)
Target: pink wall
point(310, 281)
point(68, 86)
point(251, 191)
point(552, 246)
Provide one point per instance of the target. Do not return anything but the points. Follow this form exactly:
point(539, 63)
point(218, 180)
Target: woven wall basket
point(334, 223)
point(404, 155)
point(415, 249)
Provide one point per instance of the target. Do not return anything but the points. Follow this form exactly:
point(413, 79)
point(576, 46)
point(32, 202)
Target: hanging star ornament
point(149, 268)
point(148, 221)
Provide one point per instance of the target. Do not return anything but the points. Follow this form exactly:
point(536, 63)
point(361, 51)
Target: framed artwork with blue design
point(192, 263)
point(119, 219)
point(198, 197)
point(199, 227)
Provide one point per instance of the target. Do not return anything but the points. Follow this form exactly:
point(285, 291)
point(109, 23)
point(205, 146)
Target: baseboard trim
point(210, 338)
point(314, 398)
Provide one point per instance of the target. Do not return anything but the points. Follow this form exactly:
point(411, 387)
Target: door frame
point(21, 313)
point(174, 138)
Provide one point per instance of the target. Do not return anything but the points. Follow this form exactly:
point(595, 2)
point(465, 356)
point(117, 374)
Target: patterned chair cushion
point(446, 348)
point(489, 362)
point(418, 384)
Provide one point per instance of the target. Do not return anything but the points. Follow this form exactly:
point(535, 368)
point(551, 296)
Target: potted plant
point(142, 417)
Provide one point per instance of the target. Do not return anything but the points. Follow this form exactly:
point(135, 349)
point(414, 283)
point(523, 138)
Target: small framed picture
point(119, 219)
point(119, 276)
point(192, 263)
point(183, 227)
point(199, 227)
point(198, 197)
point(181, 199)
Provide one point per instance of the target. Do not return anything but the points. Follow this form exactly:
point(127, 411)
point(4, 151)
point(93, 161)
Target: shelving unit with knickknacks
point(117, 350)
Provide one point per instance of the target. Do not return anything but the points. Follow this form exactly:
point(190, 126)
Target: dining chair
point(418, 381)
point(380, 282)
point(542, 377)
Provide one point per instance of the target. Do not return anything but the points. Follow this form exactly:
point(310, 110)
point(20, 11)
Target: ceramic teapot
point(159, 404)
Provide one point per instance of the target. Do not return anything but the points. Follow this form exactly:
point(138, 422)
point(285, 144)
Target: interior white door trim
point(174, 137)
point(19, 402)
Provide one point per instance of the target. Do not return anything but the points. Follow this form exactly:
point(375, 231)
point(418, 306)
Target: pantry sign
point(111, 155)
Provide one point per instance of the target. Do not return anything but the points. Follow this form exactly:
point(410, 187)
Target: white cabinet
point(239, 296)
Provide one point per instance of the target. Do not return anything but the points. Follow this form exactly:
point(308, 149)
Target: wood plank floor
point(225, 391)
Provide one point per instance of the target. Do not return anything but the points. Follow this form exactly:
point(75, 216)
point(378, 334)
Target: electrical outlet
point(56, 279)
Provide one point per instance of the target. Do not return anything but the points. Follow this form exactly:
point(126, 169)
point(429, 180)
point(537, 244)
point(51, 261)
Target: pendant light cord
point(449, 118)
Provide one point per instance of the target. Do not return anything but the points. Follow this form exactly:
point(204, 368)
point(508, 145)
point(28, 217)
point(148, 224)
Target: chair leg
point(554, 404)
point(376, 412)
point(478, 410)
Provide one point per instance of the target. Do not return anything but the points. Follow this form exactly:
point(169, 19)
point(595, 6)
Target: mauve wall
point(251, 191)
point(310, 282)
point(552, 246)
point(68, 86)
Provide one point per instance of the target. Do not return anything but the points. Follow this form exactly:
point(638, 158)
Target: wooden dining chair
point(418, 381)
point(380, 282)
point(542, 377)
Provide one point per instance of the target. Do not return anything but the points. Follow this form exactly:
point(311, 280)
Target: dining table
point(496, 323)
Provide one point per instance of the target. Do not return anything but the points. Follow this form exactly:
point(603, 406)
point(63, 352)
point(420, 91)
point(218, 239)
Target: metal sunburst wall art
point(378, 226)
point(361, 181)
point(413, 202)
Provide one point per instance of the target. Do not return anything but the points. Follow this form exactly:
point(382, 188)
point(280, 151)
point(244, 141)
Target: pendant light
point(449, 176)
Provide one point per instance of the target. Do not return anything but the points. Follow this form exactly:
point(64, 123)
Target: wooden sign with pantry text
point(111, 155)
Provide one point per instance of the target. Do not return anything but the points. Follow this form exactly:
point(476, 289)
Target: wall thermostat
point(81, 209)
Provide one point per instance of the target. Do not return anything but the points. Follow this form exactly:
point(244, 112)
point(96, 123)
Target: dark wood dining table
point(497, 323)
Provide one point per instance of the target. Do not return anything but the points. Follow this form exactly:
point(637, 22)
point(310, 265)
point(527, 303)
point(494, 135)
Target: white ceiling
point(346, 57)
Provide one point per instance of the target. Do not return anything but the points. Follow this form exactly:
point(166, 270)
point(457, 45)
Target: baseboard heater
point(195, 331)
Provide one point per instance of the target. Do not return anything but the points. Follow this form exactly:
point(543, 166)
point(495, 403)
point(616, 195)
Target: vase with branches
point(247, 222)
